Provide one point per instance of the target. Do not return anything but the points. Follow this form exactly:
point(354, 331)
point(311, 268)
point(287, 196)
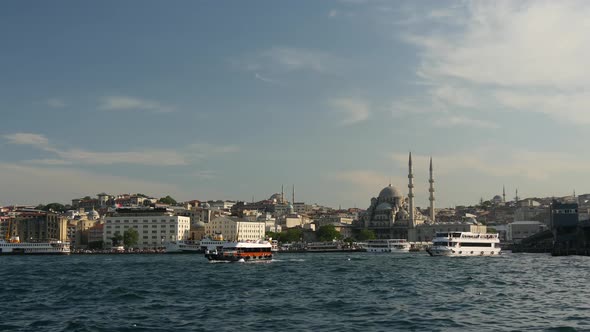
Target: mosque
point(393, 216)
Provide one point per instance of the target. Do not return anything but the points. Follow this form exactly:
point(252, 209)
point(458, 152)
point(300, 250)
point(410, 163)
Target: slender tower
point(503, 194)
point(431, 190)
point(411, 191)
point(282, 194)
point(516, 198)
point(293, 197)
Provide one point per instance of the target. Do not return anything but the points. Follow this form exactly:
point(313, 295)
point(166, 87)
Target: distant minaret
point(516, 198)
point(282, 194)
point(293, 197)
point(411, 191)
point(503, 194)
point(431, 190)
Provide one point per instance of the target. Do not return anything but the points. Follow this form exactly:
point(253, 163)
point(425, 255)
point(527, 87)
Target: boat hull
point(220, 257)
point(463, 252)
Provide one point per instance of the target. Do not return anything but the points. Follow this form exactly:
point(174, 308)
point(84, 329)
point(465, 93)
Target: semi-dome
point(384, 206)
point(199, 224)
point(389, 192)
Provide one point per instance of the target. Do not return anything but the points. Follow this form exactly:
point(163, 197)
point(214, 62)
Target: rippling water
point(296, 292)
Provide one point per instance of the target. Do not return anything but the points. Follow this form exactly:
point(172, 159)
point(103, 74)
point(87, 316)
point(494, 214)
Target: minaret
point(503, 194)
point(282, 195)
point(293, 197)
point(431, 190)
point(411, 192)
point(516, 197)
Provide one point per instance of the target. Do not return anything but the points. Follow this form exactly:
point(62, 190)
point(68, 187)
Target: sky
point(233, 99)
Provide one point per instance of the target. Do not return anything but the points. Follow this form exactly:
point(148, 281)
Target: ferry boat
point(15, 247)
point(274, 245)
point(465, 244)
point(213, 244)
point(387, 245)
point(241, 252)
point(183, 247)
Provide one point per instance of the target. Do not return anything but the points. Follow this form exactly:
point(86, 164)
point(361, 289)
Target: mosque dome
point(93, 215)
point(389, 192)
point(200, 224)
point(276, 197)
point(497, 198)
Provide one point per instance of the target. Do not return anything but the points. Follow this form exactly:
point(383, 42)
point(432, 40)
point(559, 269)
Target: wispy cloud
point(150, 157)
point(350, 110)
point(264, 79)
point(281, 60)
point(62, 184)
point(28, 139)
point(531, 165)
point(55, 103)
point(125, 103)
point(454, 121)
point(522, 56)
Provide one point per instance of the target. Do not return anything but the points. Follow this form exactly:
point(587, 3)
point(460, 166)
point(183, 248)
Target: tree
point(95, 245)
point(117, 239)
point(291, 235)
point(55, 207)
point(328, 233)
point(167, 200)
point(40, 207)
point(366, 234)
point(130, 237)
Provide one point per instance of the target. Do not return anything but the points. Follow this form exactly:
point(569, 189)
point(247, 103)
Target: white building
point(235, 229)
point(154, 227)
point(519, 230)
point(221, 205)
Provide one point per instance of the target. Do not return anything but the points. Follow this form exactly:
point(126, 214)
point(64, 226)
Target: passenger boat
point(213, 244)
point(183, 247)
point(464, 244)
point(241, 252)
point(388, 246)
point(15, 247)
point(274, 245)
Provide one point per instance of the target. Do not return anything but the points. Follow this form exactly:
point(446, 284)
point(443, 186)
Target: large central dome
point(389, 192)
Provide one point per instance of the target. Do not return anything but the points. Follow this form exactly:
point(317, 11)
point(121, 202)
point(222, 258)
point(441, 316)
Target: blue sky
point(230, 100)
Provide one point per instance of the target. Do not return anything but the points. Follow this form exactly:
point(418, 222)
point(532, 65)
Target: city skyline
point(214, 100)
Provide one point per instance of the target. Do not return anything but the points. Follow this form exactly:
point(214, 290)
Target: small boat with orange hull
point(242, 251)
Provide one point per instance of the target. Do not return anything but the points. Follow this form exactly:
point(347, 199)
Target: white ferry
point(183, 247)
point(208, 244)
point(387, 245)
point(15, 247)
point(241, 252)
point(464, 244)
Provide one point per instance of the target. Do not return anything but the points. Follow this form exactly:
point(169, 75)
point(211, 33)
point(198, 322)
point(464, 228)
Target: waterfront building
point(531, 209)
point(37, 225)
point(95, 233)
point(564, 224)
point(154, 226)
point(221, 205)
point(235, 229)
point(518, 230)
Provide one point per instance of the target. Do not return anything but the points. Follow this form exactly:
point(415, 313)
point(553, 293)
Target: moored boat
point(464, 244)
point(183, 247)
point(15, 247)
point(241, 252)
point(387, 246)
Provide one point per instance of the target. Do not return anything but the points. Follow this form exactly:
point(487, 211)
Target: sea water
point(295, 292)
